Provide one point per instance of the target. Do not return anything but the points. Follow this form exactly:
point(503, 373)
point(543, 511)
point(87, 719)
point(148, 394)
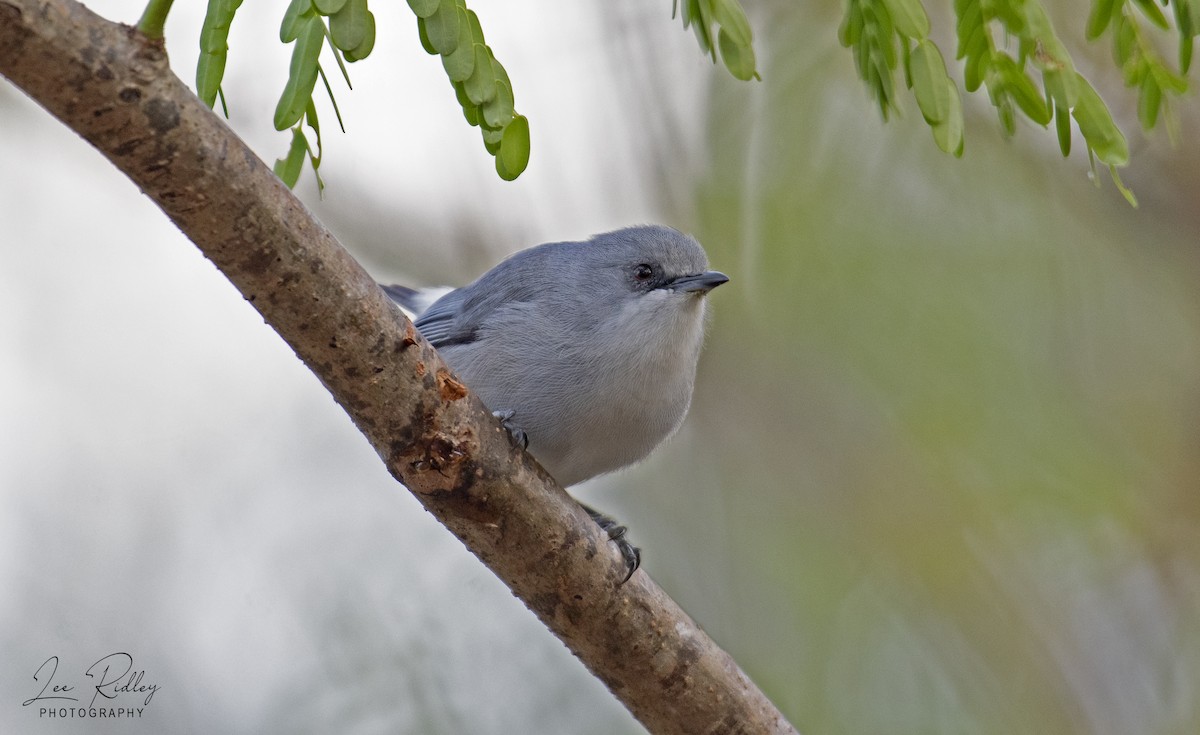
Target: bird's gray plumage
point(591, 345)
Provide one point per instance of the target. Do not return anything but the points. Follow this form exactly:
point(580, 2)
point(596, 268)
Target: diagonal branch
point(114, 87)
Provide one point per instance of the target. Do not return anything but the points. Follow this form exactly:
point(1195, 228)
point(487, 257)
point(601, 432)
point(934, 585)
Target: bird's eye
point(643, 272)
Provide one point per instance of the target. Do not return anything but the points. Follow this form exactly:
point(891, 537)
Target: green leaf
point(501, 171)
point(310, 117)
point(1030, 102)
point(1185, 54)
point(930, 83)
point(1135, 71)
point(1126, 39)
point(514, 149)
point(691, 11)
point(970, 24)
point(976, 70)
point(338, 57)
point(423, 8)
point(884, 91)
point(312, 111)
point(470, 110)
point(481, 85)
point(1183, 19)
point(328, 7)
point(1062, 126)
point(1096, 124)
point(214, 34)
point(498, 111)
point(1061, 87)
point(739, 59)
point(461, 94)
point(363, 50)
point(1026, 47)
point(701, 26)
point(461, 61)
point(850, 31)
point(214, 48)
point(349, 26)
point(732, 19)
point(476, 28)
point(1015, 17)
point(1125, 192)
point(1167, 79)
point(502, 77)
point(442, 28)
point(906, 62)
point(424, 34)
point(210, 70)
point(948, 132)
point(1051, 52)
point(1008, 120)
point(1149, 101)
point(1099, 18)
point(881, 26)
point(909, 17)
point(302, 74)
point(886, 50)
point(298, 11)
point(974, 42)
point(288, 169)
point(491, 138)
point(1151, 10)
point(1022, 90)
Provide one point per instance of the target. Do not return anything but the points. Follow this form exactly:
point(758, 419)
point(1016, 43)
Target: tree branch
point(114, 87)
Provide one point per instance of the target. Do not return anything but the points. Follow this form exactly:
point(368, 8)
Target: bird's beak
point(701, 283)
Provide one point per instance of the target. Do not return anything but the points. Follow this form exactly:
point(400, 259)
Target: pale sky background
point(168, 461)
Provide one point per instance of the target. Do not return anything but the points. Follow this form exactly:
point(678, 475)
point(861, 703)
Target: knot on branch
point(438, 462)
point(450, 388)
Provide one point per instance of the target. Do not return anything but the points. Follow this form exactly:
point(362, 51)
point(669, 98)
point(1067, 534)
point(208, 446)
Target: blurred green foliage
point(733, 35)
point(445, 28)
point(888, 35)
point(449, 29)
point(947, 425)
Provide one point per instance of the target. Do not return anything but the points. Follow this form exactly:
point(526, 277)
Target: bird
point(586, 350)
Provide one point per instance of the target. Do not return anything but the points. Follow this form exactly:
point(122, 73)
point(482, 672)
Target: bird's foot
point(616, 533)
point(516, 432)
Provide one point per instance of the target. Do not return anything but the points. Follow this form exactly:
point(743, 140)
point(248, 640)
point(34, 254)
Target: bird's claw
point(616, 533)
point(516, 432)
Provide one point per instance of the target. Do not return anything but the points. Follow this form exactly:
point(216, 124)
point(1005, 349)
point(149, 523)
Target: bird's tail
point(414, 301)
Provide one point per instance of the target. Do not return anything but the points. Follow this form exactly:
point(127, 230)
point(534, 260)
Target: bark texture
point(116, 90)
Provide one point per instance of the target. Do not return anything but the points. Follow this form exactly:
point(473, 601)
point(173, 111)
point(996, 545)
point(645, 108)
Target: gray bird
point(586, 350)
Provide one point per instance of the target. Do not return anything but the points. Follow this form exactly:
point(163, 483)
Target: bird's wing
point(407, 298)
point(415, 301)
point(433, 310)
point(459, 316)
point(441, 323)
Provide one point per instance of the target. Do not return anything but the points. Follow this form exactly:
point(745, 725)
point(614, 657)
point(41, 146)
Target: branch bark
point(114, 87)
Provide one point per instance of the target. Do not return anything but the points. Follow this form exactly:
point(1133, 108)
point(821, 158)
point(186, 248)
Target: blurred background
point(940, 474)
